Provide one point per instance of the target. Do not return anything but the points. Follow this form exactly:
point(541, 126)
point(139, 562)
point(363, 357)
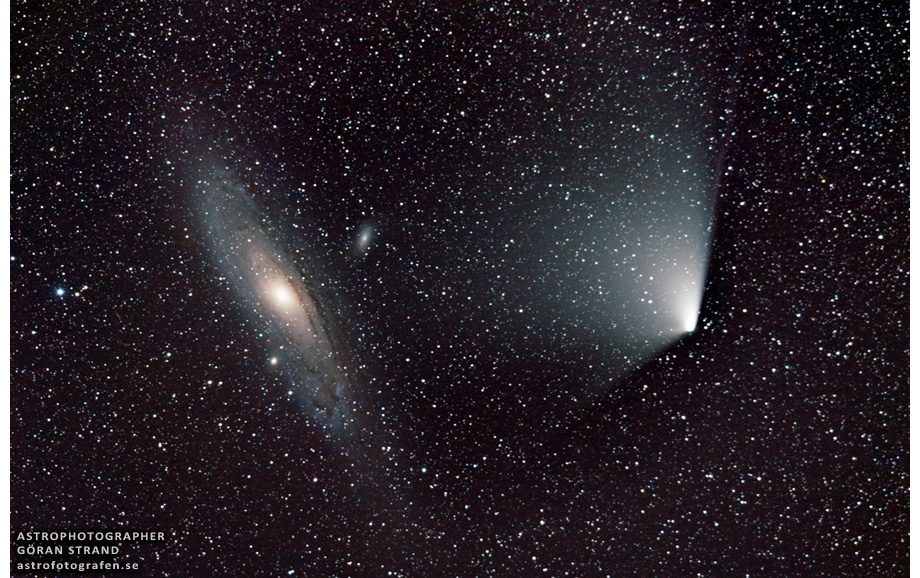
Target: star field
point(613, 290)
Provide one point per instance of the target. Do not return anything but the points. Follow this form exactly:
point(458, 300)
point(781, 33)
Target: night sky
point(437, 289)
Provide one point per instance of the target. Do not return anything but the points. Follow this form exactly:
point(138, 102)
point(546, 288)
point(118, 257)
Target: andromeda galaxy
point(281, 304)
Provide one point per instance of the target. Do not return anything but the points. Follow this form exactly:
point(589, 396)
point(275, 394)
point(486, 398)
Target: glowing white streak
point(690, 317)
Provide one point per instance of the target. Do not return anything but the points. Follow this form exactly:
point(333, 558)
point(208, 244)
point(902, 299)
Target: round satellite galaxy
point(279, 302)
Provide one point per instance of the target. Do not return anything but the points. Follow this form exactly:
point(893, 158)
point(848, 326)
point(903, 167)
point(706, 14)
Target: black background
point(509, 436)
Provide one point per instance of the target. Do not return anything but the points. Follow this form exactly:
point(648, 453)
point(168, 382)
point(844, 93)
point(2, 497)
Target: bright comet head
point(687, 301)
point(680, 291)
point(690, 317)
